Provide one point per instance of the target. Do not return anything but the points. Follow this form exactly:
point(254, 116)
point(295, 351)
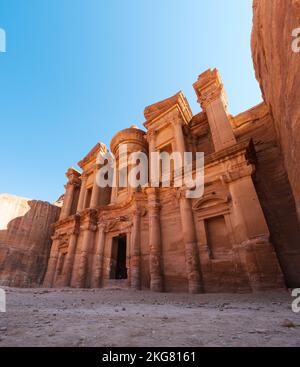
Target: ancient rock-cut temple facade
point(156, 238)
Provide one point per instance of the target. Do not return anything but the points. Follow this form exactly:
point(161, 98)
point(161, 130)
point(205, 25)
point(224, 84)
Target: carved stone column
point(188, 225)
point(80, 206)
point(151, 135)
point(88, 237)
point(58, 270)
point(98, 257)
point(179, 136)
point(136, 251)
point(211, 95)
point(52, 263)
point(96, 190)
point(68, 201)
point(73, 182)
point(191, 248)
point(156, 282)
point(88, 228)
point(248, 217)
point(251, 231)
point(69, 262)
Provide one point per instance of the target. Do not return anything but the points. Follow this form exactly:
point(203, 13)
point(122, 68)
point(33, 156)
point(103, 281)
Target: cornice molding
point(92, 155)
point(177, 102)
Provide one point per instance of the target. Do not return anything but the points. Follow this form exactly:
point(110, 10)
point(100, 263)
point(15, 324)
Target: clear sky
point(77, 71)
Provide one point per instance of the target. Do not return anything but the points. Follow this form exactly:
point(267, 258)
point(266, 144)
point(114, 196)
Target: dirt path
point(114, 317)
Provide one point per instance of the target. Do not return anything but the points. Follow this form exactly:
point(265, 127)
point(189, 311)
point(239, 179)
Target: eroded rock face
point(273, 188)
point(25, 239)
point(278, 72)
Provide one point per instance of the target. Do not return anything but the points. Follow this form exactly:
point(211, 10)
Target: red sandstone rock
point(25, 230)
point(218, 243)
point(278, 72)
point(273, 187)
point(159, 239)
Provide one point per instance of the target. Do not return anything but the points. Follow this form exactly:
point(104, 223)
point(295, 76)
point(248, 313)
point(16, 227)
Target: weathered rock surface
point(278, 72)
point(25, 239)
point(273, 188)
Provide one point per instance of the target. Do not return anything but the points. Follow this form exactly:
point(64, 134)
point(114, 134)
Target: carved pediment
point(92, 155)
point(121, 222)
point(211, 201)
point(158, 111)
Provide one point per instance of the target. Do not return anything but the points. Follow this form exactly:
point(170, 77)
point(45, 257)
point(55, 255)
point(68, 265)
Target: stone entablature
point(157, 238)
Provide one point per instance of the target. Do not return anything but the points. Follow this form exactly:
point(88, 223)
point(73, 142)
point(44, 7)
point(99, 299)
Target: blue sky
point(77, 71)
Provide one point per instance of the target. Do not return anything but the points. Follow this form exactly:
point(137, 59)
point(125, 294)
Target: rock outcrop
point(277, 69)
point(273, 188)
point(25, 240)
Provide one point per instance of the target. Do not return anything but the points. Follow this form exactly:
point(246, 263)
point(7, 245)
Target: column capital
point(139, 212)
point(72, 174)
point(238, 173)
point(151, 135)
point(102, 226)
point(212, 98)
point(150, 191)
point(76, 225)
point(84, 177)
point(154, 205)
point(177, 121)
point(55, 237)
point(209, 87)
point(74, 231)
point(180, 193)
point(153, 202)
point(96, 167)
point(72, 184)
point(88, 227)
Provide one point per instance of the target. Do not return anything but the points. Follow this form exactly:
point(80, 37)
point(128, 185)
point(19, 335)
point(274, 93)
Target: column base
point(261, 264)
point(156, 285)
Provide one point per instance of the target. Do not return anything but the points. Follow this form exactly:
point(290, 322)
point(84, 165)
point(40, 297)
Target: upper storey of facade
point(170, 126)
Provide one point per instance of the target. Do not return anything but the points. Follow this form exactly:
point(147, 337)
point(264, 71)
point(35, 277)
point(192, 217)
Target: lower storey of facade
point(162, 241)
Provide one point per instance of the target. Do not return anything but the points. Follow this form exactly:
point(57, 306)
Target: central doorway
point(118, 269)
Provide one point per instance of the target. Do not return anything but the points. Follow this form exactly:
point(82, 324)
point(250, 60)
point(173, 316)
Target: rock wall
point(25, 240)
point(273, 188)
point(278, 72)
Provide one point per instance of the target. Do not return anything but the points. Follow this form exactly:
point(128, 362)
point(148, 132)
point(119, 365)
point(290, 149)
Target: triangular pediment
point(211, 201)
point(92, 155)
point(155, 111)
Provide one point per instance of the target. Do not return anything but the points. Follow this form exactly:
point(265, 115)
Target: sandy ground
point(115, 317)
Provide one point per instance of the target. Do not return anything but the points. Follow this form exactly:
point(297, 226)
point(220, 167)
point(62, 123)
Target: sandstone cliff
point(25, 240)
point(273, 188)
point(278, 72)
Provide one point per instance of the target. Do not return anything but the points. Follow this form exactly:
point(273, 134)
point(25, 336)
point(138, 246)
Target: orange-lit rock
point(278, 72)
point(157, 238)
point(25, 240)
point(273, 188)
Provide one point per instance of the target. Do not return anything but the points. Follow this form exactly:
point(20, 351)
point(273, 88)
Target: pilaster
point(190, 242)
point(156, 274)
point(80, 205)
point(97, 272)
point(212, 98)
point(136, 250)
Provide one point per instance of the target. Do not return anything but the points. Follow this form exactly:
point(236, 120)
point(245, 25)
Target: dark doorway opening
point(119, 270)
